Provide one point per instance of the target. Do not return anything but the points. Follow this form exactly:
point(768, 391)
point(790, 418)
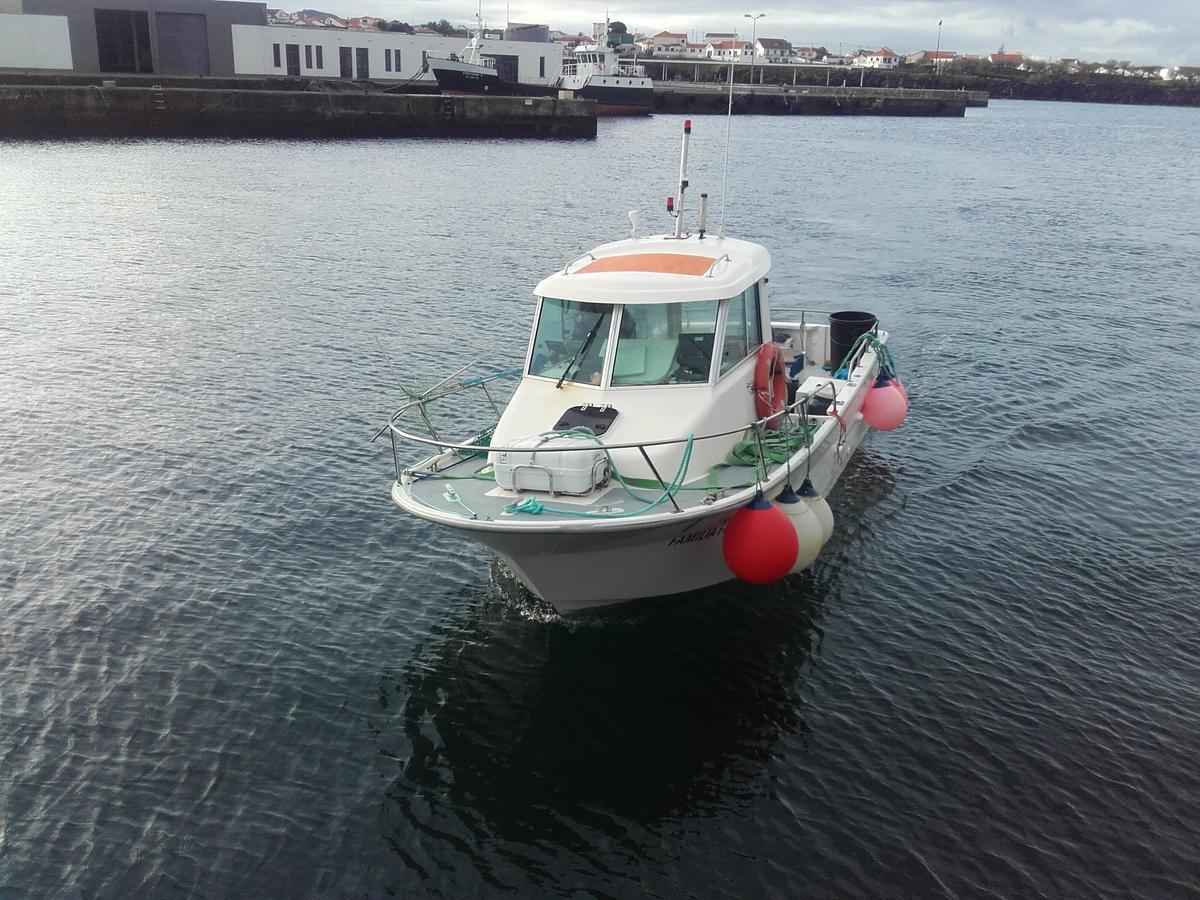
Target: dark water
point(228, 667)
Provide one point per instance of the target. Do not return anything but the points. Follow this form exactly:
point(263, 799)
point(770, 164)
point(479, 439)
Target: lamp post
point(937, 54)
point(753, 38)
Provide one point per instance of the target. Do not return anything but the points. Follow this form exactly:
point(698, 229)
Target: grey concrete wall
point(48, 112)
point(10, 7)
point(220, 16)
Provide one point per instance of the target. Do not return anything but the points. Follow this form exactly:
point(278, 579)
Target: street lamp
point(937, 54)
point(753, 37)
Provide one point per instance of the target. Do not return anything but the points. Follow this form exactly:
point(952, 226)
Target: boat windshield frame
point(578, 354)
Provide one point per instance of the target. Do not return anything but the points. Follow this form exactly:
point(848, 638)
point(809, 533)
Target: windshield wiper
point(583, 348)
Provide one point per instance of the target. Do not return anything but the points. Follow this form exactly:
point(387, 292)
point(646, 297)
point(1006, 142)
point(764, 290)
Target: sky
point(1162, 32)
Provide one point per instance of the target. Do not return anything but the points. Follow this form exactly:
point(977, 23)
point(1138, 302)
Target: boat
point(598, 73)
point(595, 72)
point(662, 410)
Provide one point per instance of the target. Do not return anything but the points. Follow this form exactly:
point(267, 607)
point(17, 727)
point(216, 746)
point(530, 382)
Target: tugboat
point(595, 73)
point(667, 431)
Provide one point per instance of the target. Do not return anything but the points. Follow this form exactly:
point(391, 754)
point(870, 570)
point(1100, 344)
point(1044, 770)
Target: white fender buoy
point(819, 506)
point(806, 525)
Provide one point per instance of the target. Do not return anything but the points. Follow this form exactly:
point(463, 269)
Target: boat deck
point(462, 483)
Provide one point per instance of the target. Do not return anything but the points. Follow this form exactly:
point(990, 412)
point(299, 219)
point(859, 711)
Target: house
point(809, 54)
point(882, 58)
point(735, 50)
point(930, 57)
point(837, 60)
point(1001, 58)
point(773, 50)
point(695, 51)
point(716, 37)
point(666, 43)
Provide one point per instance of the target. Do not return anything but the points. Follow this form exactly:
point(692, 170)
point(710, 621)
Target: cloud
point(1166, 32)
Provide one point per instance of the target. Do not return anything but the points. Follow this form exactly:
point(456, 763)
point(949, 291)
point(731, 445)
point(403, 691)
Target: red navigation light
point(687, 125)
point(670, 204)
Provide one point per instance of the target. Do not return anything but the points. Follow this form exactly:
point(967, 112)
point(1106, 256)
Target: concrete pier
point(812, 100)
point(87, 111)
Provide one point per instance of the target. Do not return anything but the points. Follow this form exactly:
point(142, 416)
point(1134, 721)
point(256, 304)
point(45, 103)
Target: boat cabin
point(663, 331)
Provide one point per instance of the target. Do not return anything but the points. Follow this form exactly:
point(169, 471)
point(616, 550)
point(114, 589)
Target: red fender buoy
point(760, 544)
point(770, 383)
point(886, 405)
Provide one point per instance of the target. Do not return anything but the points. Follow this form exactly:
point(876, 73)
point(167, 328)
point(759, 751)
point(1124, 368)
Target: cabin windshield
point(665, 343)
point(571, 337)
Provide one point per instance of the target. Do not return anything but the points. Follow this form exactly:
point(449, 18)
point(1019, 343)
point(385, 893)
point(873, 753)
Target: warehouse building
point(164, 37)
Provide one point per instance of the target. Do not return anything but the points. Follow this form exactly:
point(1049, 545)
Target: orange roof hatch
point(659, 263)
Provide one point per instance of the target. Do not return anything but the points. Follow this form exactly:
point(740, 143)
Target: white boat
point(595, 72)
point(598, 73)
point(650, 409)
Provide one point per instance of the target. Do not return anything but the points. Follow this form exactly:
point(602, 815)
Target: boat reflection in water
point(526, 751)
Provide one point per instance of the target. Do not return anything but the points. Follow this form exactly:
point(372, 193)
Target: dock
point(698, 98)
point(112, 110)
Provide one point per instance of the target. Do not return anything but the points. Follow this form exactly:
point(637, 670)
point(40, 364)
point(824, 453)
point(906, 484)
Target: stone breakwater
point(812, 100)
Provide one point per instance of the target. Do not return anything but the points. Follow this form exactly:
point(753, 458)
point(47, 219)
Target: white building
point(877, 59)
point(808, 54)
point(1180, 73)
point(773, 50)
point(735, 50)
point(380, 56)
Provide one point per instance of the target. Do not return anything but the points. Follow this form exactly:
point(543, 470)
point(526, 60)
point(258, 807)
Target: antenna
point(725, 173)
point(683, 182)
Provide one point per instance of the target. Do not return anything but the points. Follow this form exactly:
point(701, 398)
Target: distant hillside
point(1080, 88)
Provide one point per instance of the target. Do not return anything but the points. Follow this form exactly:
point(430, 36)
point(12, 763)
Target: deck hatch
point(658, 263)
point(596, 419)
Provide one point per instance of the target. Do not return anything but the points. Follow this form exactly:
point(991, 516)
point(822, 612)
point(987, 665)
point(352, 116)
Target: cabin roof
point(659, 269)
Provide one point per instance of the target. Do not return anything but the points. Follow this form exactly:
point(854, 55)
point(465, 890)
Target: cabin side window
point(665, 343)
point(571, 339)
point(743, 328)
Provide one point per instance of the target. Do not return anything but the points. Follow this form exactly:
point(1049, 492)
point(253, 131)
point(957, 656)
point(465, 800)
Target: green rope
point(777, 447)
point(887, 364)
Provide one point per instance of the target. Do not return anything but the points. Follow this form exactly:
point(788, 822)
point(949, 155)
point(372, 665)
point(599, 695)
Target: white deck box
point(547, 466)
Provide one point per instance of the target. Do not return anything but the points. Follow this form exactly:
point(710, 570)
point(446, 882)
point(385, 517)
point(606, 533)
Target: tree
point(400, 27)
point(441, 26)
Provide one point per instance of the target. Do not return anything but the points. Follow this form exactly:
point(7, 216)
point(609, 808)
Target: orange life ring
point(770, 383)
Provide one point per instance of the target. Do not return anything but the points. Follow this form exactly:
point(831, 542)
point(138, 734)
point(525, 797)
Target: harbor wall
point(48, 112)
point(810, 100)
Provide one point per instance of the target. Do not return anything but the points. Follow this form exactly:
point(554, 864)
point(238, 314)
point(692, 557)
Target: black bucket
point(844, 329)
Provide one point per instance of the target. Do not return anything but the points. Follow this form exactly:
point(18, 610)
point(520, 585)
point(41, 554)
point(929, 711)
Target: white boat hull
point(584, 569)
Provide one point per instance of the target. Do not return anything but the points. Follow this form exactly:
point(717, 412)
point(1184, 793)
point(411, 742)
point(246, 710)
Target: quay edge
point(46, 112)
